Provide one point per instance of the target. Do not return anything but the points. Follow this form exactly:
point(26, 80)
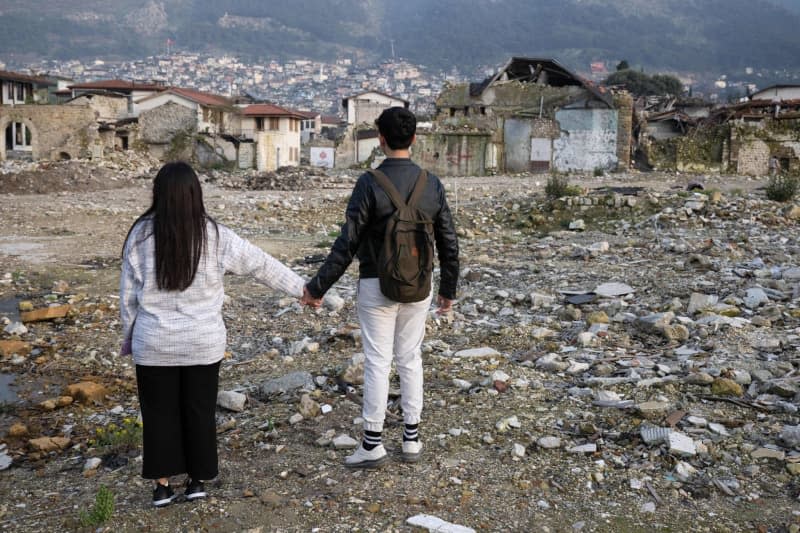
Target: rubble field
point(622, 360)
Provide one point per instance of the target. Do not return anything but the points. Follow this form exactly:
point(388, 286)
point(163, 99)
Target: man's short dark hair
point(397, 125)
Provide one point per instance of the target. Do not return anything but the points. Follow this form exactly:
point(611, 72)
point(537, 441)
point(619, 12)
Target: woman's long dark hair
point(179, 225)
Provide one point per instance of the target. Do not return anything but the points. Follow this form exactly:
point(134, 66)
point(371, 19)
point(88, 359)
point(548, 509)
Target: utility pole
point(391, 41)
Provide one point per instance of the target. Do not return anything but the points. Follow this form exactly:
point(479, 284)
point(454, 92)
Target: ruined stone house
point(739, 138)
point(131, 90)
point(760, 130)
point(532, 115)
point(186, 123)
point(30, 129)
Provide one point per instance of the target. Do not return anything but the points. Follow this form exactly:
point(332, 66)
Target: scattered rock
point(288, 383)
point(308, 407)
point(12, 347)
point(344, 442)
point(49, 444)
point(436, 525)
point(231, 400)
point(87, 392)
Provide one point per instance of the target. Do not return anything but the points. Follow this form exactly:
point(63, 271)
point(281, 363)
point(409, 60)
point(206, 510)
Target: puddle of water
point(9, 307)
point(6, 394)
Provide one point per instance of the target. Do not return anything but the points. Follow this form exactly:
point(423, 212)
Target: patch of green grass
point(102, 511)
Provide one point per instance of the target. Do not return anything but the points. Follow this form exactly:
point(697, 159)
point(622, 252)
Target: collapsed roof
point(539, 71)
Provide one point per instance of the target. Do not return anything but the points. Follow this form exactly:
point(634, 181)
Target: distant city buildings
point(300, 84)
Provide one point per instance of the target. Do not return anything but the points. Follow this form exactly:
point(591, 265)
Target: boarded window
point(274, 124)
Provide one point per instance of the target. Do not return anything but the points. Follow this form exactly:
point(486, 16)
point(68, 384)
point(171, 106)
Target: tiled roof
point(16, 76)
point(199, 97)
point(270, 110)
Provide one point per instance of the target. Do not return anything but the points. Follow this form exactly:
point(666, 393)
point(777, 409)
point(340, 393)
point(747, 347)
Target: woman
point(171, 295)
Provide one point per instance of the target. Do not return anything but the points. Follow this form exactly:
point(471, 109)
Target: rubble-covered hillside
point(621, 360)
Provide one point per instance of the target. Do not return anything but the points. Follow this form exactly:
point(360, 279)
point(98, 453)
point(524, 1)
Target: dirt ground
point(60, 237)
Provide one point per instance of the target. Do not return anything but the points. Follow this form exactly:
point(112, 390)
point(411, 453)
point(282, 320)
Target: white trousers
point(390, 331)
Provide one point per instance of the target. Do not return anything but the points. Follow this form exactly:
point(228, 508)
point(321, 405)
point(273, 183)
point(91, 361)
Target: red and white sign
point(321, 157)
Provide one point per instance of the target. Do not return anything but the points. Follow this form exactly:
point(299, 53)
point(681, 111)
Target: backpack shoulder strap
point(386, 184)
point(419, 188)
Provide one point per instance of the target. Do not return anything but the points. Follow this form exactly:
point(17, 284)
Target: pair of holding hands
point(444, 305)
point(309, 300)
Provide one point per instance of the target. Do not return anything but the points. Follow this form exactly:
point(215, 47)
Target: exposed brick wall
point(624, 103)
point(68, 130)
point(753, 158)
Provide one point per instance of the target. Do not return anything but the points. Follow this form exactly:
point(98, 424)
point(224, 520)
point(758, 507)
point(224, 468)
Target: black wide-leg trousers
point(178, 405)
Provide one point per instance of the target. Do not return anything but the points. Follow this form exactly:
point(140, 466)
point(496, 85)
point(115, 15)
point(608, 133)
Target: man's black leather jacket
point(365, 221)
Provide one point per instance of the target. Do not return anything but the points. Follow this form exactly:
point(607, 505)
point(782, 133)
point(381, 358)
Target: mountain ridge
point(676, 35)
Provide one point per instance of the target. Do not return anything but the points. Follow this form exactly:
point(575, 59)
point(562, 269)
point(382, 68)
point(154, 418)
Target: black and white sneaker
point(162, 495)
point(194, 490)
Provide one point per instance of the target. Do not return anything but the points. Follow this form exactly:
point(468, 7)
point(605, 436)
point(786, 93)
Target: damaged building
point(739, 138)
point(359, 142)
point(532, 115)
point(31, 129)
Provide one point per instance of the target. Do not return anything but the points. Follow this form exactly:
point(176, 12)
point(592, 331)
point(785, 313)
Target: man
point(773, 166)
point(390, 330)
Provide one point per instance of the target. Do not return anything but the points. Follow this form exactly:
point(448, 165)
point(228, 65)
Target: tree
point(623, 65)
point(640, 84)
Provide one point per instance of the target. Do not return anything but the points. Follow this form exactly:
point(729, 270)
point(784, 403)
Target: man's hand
point(309, 300)
point(444, 305)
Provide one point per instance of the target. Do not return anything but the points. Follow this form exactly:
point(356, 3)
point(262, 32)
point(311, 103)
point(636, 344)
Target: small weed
point(738, 192)
point(782, 187)
point(7, 408)
point(334, 234)
point(599, 172)
point(323, 244)
point(558, 187)
point(102, 511)
point(114, 437)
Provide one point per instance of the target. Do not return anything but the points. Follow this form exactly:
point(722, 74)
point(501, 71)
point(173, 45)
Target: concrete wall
point(159, 125)
point(778, 93)
point(452, 154)
point(366, 147)
point(588, 139)
point(247, 155)
point(536, 128)
point(58, 131)
point(367, 107)
point(274, 150)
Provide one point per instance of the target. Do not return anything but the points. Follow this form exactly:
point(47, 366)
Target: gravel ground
point(485, 464)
